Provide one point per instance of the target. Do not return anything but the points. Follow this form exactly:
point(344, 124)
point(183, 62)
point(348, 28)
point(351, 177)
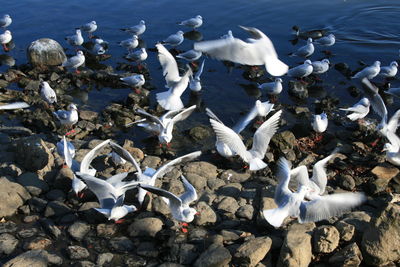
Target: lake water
point(365, 31)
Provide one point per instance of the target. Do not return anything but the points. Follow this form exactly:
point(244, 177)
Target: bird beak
point(197, 213)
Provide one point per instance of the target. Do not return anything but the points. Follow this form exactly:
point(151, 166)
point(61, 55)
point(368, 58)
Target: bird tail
point(106, 212)
point(275, 217)
point(169, 101)
point(353, 116)
point(275, 67)
point(257, 164)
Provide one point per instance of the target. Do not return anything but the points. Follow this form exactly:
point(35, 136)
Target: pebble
point(146, 227)
point(8, 243)
point(78, 230)
point(77, 252)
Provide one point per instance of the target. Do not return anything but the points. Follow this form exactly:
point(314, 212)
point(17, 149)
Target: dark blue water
point(365, 31)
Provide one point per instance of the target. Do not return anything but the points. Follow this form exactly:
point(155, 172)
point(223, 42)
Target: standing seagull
point(272, 88)
point(130, 43)
point(138, 56)
point(320, 67)
point(302, 70)
point(5, 21)
point(47, 93)
point(327, 40)
point(76, 39)
point(258, 50)
point(137, 29)
point(89, 28)
point(369, 72)
point(136, 81)
point(67, 117)
point(5, 38)
point(359, 110)
point(319, 124)
point(306, 50)
point(195, 84)
point(190, 55)
point(193, 22)
point(174, 39)
point(392, 148)
point(389, 71)
point(75, 62)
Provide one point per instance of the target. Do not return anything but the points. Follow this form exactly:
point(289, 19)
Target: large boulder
point(12, 196)
point(253, 251)
point(46, 52)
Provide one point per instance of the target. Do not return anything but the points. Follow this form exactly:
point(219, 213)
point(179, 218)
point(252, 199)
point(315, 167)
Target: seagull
point(302, 70)
point(89, 28)
point(190, 55)
point(117, 159)
point(67, 150)
point(136, 81)
point(75, 62)
point(171, 99)
point(179, 206)
point(328, 40)
point(130, 43)
point(138, 56)
point(359, 110)
point(261, 141)
point(5, 38)
point(195, 84)
point(293, 204)
point(174, 39)
point(272, 88)
point(193, 22)
point(369, 72)
point(76, 39)
point(306, 50)
point(320, 122)
point(100, 46)
point(137, 29)
point(389, 71)
point(67, 117)
point(320, 67)
point(164, 125)
point(392, 148)
point(47, 93)
point(258, 50)
point(5, 21)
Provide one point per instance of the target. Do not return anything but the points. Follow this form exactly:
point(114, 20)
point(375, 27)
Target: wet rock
point(104, 258)
point(63, 180)
point(106, 230)
point(88, 115)
point(298, 90)
point(77, 252)
point(151, 161)
point(8, 227)
point(231, 190)
point(206, 214)
point(12, 196)
point(34, 155)
point(296, 249)
point(34, 258)
point(46, 52)
point(215, 255)
point(78, 230)
point(147, 249)
point(235, 177)
point(228, 204)
point(121, 244)
point(147, 227)
point(346, 230)
point(8, 243)
point(37, 243)
point(32, 183)
point(326, 239)
point(246, 212)
point(26, 233)
point(384, 174)
point(56, 209)
point(49, 226)
point(201, 168)
point(252, 252)
point(349, 256)
point(379, 239)
point(284, 140)
point(199, 133)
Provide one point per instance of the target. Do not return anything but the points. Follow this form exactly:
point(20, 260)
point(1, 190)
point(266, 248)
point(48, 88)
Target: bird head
point(189, 214)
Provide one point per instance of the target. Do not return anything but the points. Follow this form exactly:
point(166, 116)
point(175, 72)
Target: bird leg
point(273, 99)
point(375, 143)
point(318, 137)
point(119, 221)
point(70, 132)
point(5, 48)
point(77, 71)
point(80, 194)
point(183, 227)
point(137, 90)
point(194, 64)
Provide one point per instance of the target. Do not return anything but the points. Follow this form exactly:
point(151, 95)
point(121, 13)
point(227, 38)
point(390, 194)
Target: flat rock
point(37, 243)
point(34, 155)
point(206, 214)
point(104, 258)
point(32, 183)
point(8, 243)
point(46, 52)
point(147, 227)
point(77, 252)
point(349, 256)
point(198, 182)
point(384, 174)
point(228, 204)
point(246, 212)
point(252, 252)
point(34, 258)
point(326, 239)
point(215, 255)
point(78, 230)
point(201, 168)
point(88, 115)
point(235, 177)
point(12, 196)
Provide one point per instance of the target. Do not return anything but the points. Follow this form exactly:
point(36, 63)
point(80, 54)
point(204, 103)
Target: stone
point(298, 90)
point(88, 115)
point(63, 180)
point(159, 205)
point(346, 230)
point(8, 243)
point(147, 227)
point(347, 182)
point(349, 256)
point(106, 230)
point(284, 140)
point(384, 174)
point(201, 168)
point(55, 194)
point(34, 258)
point(151, 161)
point(378, 241)
point(46, 52)
point(359, 219)
point(228, 204)
point(147, 249)
point(89, 214)
point(56, 209)
point(78, 230)
point(32, 183)
point(246, 212)
point(235, 177)
point(121, 244)
point(199, 133)
point(49, 226)
point(214, 256)
point(206, 214)
point(8, 227)
point(12, 196)
point(198, 182)
point(104, 258)
point(326, 239)
point(77, 252)
point(34, 155)
point(231, 190)
point(37, 243)
point(251, 252)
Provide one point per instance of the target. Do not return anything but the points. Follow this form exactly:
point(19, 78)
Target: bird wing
point(91, 155)
point(200, 70)
point(190, 194)
point(213, 116)
point(394, 122)
point(282, 192)
point(376, 100)
point(174, 201)
point(62, 114)
point(319, 176)
point(329, 205)
point(67, 154)
point(122, 152)
point(180, 86)
point(168, 64)
point(300, 174)
point(182, 115)
point(393, 139)
point(117, 179)
point(150, 117)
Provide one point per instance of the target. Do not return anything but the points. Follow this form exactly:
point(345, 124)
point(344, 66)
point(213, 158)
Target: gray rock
point(63, 180)
point(346, 230)
point(121, 244)
point(235, 177)
point(46, 52)
point(56, 209)
point(360, 220)
point(37, 204)
point(214, 256)
point(347, 182)
point(8, 227)
point(49, 226)
point(147, 227)
point(78, 230)
point(32, 183)
point(298, 90)
point(379, 239)
point(88, 115)
point(231, 190)
point(215, 183)
point(106, 230)
point(26, 233)
point(34, 155)
point(77, 252)
point(198, 182)
point(326, 239)
point(84, 264)
point(9, 169)
point(206, 214)
point(229, 236)
point(37, 243)
point(252, 252)
point(134, 261)
point(284, 140)
point(159, 205)
point(384, 174)
point(349, 256)
point(246, 212)
point(89, 214)
point(151, 161)
point(12, 196)
point(34, 258)
point(8, 243)
point(201, 168)
point(187, 253)
point(104, 258)
point(228, 204)
point(55, 194)
point(199, 133)
point(147, 249)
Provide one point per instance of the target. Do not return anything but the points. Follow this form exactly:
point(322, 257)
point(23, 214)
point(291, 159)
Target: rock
point(26, 233)
point(84, 264)
point(234, 177)
point(201, 168)
point(63, 180)
point(215, 183)
point(8, 243)
point(121, 244)
point(106, 230)
point(147, 227)
point(198, 182)
point(77, 252)
point(199, 133)
point(214, 256)
point(159, 205)
point(49, 226)
point(12, 196)
point(296, 249)
point(37, 243)
point(34, 155)
point(346, 230)
point(384, 174)
point(78, 230)
point(34, 258)
point(89, 214)
point(206, 214)
point(360, 220)
point(104, 258)
point(298, 89)
point(326, 239)
point(228, 204)
point(32, 183)
point(231, 190)
point(151, 161)
point(347, 182)
point(88, 115)
point(349, 256)
point(55, 194)
point(252, 252)
point(378, 241)
point(46, 52)
point(56, 209)
point(246, 212)
point(284, 140)
point(8, 227)
point(147, 249)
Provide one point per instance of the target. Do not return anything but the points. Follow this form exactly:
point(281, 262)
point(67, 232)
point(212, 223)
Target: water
point(365, 30)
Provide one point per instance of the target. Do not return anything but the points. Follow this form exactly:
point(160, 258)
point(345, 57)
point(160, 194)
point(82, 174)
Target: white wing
point(282, 192)
point(190, 194)
point(376, 100)
point(91, 155)
point(123, 153)
point(213, 116)
point(67, 154)
point(169, 65)
point(183, 114)
point(199, 71)
point(393, 123)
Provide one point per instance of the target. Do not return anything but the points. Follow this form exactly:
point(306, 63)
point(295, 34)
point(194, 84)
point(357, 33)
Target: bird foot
point(70, 132)
point(80, 195)
point(77, 72)
point(259, 122)
point(119, 221)
point(194, 64)
point(137, 91)
point(5, 48)
point(375, 143)
point(318, 138)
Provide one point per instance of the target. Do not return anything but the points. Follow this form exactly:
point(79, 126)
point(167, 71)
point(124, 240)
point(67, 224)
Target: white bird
point(261, 140)
point(306, 50)
point(76, 39)
point(47, 93)
point(15, 105)
point(190, 55)
point(138, 56)
point(5, 21)
point(89, 27)
point(179, 206)
point(328, 40)
point(228, 35)
point(5, 38)
point(137, 29)
point(258, 50)
point(136, 81)
point(272, 88)
point(117, 159)
point(164, 125)
point(302, 70)
point(320, 67)
point(174, 39)
point(65, 149)
point(195, 83)
point(369, 72)
point(130, 43)
point(100, 46)
point(75, 62)
point(320, 122)
point(193, 22)
point(359, 110)
point(392, 148)
point(293, 204)
point(389, 71)
point(67, 117)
